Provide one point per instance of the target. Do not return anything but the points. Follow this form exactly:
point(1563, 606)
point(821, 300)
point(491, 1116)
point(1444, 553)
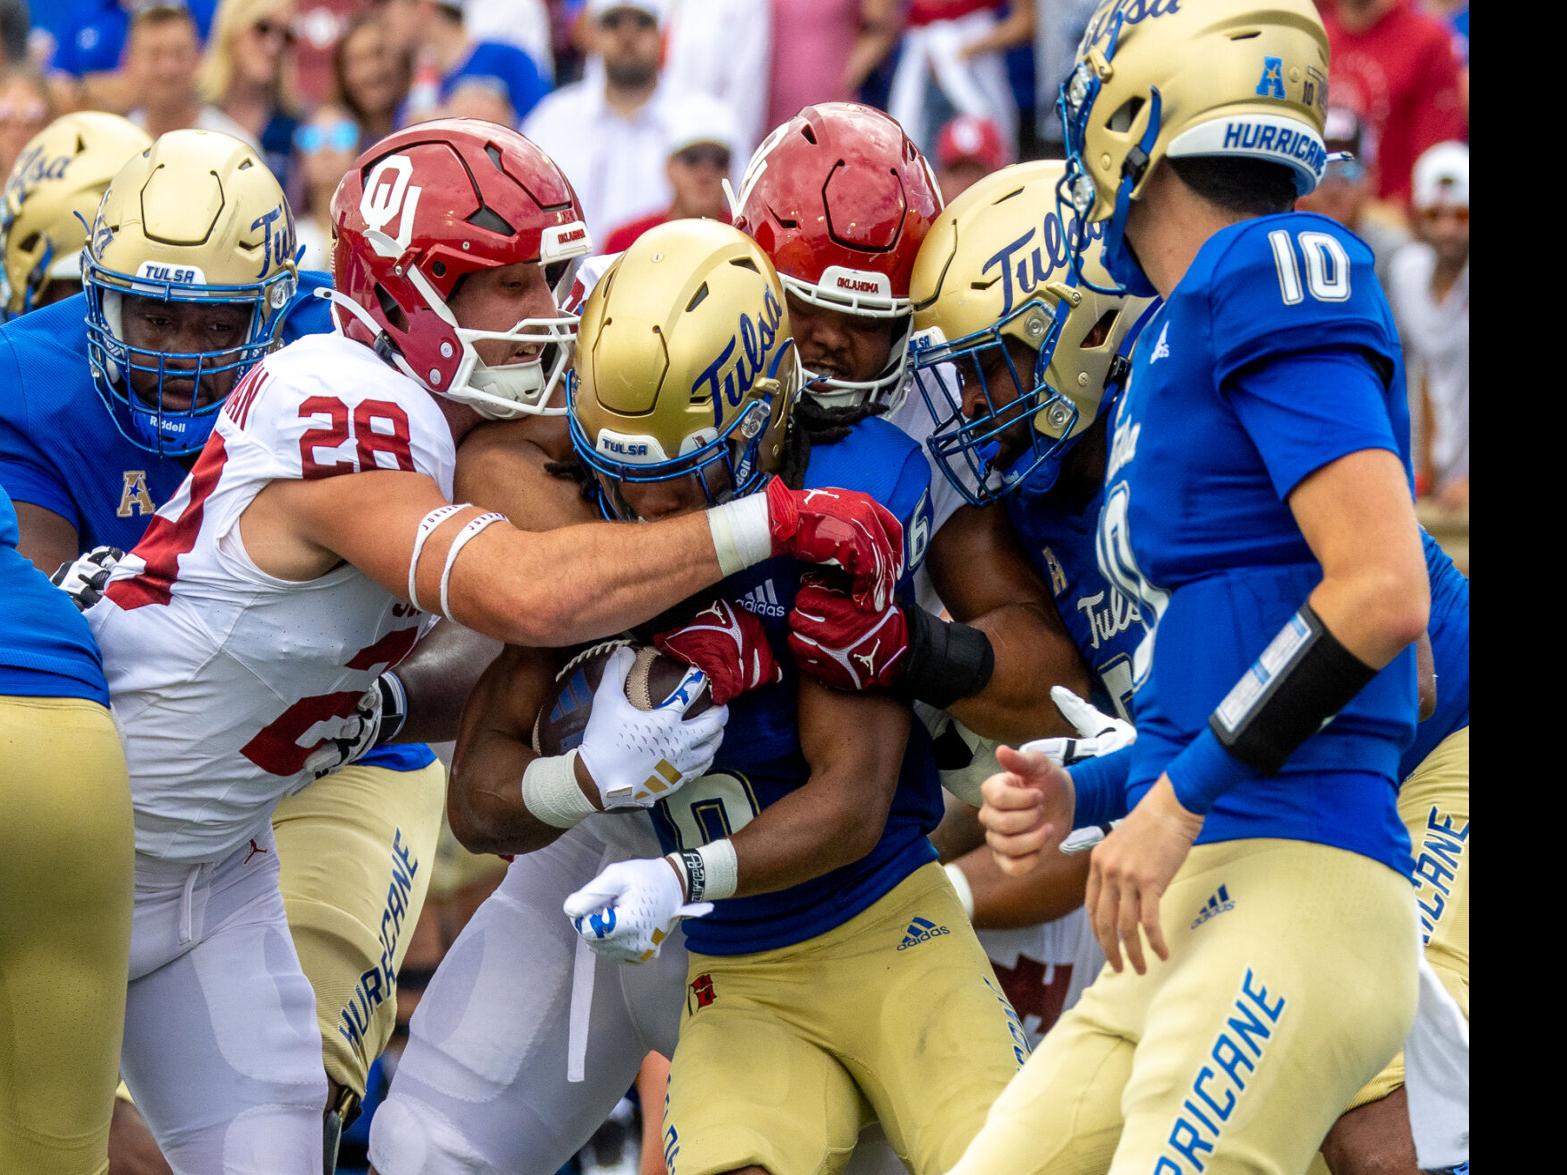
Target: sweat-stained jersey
point(760, 760)
point(225, 679)
point(61, 450)
point(1274, 356)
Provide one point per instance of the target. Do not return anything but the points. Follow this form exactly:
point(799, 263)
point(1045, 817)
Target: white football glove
point(628, 910)
point(84, 578)
point(1101, 734)
point(382, 709)
point(638, 757)
point(1098, 733)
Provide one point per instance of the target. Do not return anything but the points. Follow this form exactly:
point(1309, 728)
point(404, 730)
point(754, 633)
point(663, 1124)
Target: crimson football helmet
point(840, 199)
point(425, 207)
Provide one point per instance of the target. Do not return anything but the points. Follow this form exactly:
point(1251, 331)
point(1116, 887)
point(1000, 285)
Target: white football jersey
point(224, 679)
point(1044, 968)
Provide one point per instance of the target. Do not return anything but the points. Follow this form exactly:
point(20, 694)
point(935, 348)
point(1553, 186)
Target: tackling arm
point(560, 587)
point(47, 539)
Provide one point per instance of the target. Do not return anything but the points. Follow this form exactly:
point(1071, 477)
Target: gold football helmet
point(1157, 78)
point(50, 197)
point(196, 218)
point(685, 366)
point(995, 268)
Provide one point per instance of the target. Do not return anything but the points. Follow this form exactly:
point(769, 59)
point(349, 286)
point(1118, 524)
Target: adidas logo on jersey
point(1161, 349)
point(1218, 904)
point(762, 600)
point(920, 930)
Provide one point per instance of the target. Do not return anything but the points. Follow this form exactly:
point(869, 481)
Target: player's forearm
point(485, 803)
point(808, 833)
point(1030, 657)
point(438, 676)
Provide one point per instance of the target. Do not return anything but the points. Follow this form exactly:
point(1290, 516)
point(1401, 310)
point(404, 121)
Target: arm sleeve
point(1306, 410)
point(1101, 788)
point(26, 472)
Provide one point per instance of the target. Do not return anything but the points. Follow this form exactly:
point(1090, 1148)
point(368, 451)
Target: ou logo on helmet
point(388, 194)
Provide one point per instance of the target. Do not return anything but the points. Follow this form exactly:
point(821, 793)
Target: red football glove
point(836, 642)
point(839, 528)
point(729, 645)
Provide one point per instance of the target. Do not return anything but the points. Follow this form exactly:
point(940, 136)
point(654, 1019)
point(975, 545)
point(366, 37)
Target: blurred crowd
point(650, 106)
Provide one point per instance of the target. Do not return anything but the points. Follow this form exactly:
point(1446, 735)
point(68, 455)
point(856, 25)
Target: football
point(653, 677)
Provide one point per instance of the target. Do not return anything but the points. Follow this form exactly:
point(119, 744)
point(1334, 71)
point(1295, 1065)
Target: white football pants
point(222, 1053)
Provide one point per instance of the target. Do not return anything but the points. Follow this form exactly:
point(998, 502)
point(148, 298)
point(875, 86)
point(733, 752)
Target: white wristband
point(713, 875)
point(468, 533)
point(965, 890)
point(550, 791)
point(742, 534)
point(427, 526)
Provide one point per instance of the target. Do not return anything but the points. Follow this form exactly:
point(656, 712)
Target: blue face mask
point(967, 449)
point(1075, 195)
point(147, 418)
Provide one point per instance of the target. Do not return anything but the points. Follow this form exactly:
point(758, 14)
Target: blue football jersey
point(61, 450)
point(760, 760)
point(46, 648)
point(1274, 356)
point(1103, 621)
point(1449, 629)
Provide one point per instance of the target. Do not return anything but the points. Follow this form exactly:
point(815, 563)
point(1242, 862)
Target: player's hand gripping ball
point(643, 723)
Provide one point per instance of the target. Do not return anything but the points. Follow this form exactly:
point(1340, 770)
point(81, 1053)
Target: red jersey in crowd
point(620, 239)
point(1401, 76)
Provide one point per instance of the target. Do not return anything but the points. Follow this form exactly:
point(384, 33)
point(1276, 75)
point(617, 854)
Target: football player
point(88, 461)
point(64, 932)
point(1258, 511)
point(841, 200)
point(684, 283)
point(296, 562)
point(50, 197)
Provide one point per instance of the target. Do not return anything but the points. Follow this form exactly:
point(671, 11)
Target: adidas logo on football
point(762, 600)
point(1217, 904)
point(920, 930)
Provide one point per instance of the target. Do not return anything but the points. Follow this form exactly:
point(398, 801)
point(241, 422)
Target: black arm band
point(947, 662)
point(1304, 677)
point(394, 707)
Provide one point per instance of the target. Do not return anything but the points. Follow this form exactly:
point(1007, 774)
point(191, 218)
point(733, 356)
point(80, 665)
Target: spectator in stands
point(823, 50)
point(97, 35)
point(953, 62)
point(25, 109)
point(325, 147)
point(701, 152)
point(1429, 291)
point(161, 60)
point(443, 53)
point(1058, 27)
point(246, 74)
point(722, 48)
point(1395, 66)
point(372, 75)
point(607, 132)
point(968, 150)
point(523, 23)
point(479, 97)
point(1345, 192)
